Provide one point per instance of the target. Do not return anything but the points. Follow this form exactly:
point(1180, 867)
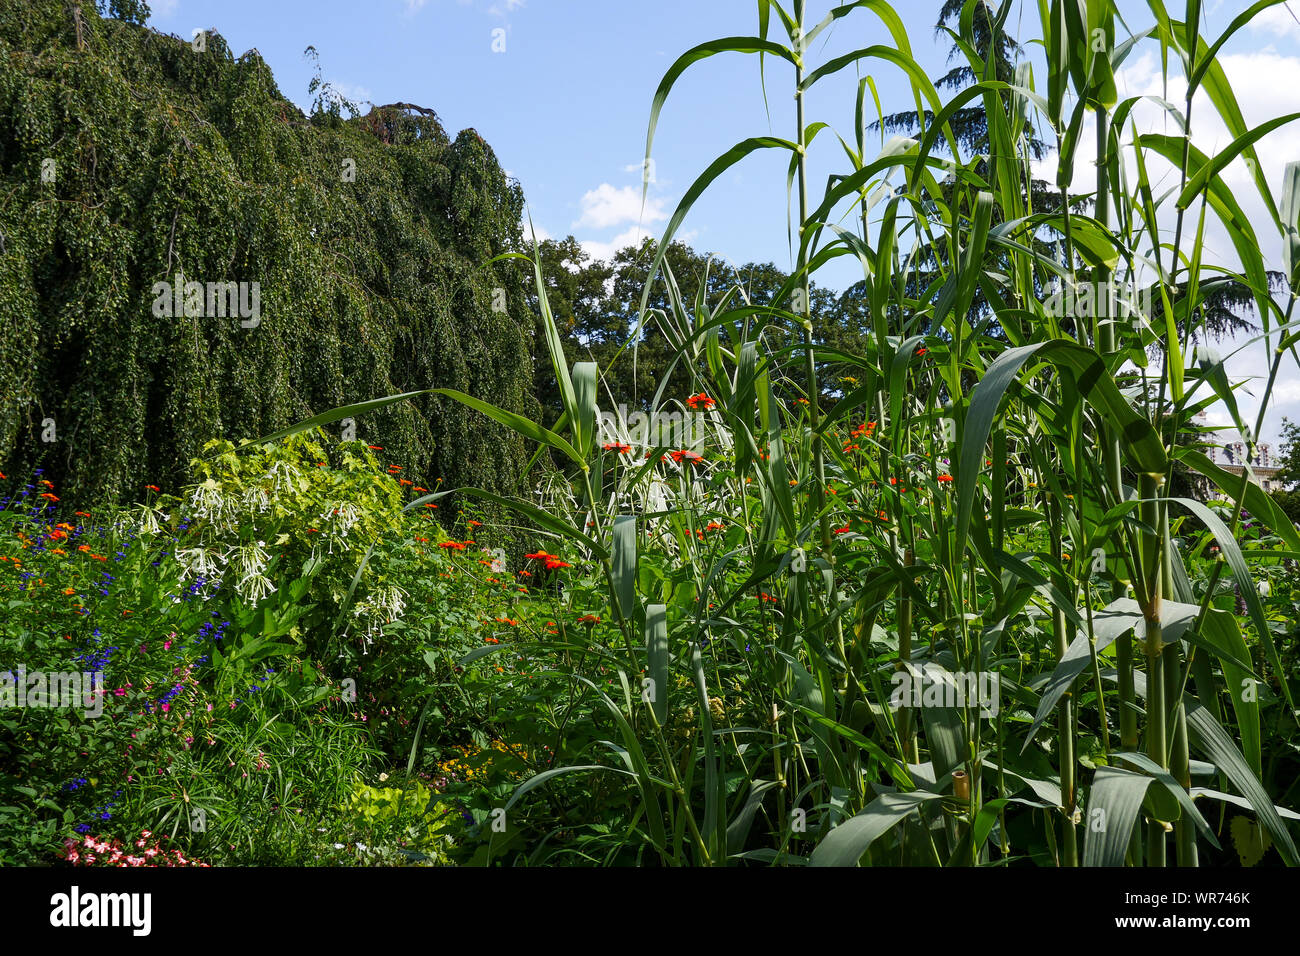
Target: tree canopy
point(138, 158)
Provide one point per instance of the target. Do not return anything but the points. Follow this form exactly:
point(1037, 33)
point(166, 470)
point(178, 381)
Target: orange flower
point(69, 590)
point(152, 488)
point(589, 619)
point(539, 556)
point(375, 447)
point(686, 455)
point(945, 478)
point(403, 481)
point(554, 563)
point(452, 546)
point(474, 524)
point(618, 447)
point(696, 401)
point(48, 496)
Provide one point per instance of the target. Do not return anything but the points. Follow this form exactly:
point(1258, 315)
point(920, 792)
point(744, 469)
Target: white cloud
point(629, 237)
point(357, 94)
point(1276, 21)
point(162, 8)
point(606, 206)
point(606, 250)
point(535, 230)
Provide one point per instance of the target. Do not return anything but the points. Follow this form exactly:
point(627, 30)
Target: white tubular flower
point(257, 499)
point(252, 559)
point(254, 587)
point(147, 523)
point(344, 516)
point(200, 562)
point(282, 477)
point(208, 504)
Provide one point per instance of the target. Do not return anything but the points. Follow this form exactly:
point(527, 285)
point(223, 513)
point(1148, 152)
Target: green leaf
point(623, 566)
point(656, 638)
point(845, 844)
point(517, 423)
point(536, 781)
point(1213, 740)
point(1241, 574)
point(1113, 803)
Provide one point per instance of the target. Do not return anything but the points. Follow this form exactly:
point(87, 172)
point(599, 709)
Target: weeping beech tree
point(349, 258)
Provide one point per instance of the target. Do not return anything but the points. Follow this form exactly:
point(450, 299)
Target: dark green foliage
point(167, 160)
point(1288, 453)
point(1289, 502)
point(595, 306)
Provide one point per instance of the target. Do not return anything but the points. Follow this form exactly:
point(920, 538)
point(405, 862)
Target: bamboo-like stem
point(1153, 554)
point(1065, 728)
point(1175, 679)
point(906, 725)
point(805, 310)
point(1104, 337)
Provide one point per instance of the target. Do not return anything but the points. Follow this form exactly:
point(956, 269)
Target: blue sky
point(565, 103)
point(565, 106)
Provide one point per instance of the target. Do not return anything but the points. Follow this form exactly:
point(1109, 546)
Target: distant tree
point(595, 307)
point(970, 125)
point(1288, 455)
